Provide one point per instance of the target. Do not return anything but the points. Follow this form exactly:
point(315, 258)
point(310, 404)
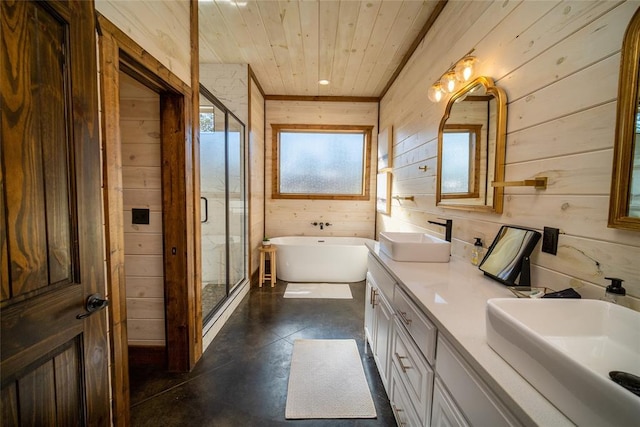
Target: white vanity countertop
point(454, 296)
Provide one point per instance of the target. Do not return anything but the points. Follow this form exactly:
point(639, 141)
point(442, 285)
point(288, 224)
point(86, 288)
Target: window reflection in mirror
point(471, 148)
point(634, 192)
point(461, 161)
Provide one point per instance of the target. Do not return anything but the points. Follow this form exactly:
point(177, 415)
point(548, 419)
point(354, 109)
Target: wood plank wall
point(162, 28)
point(558, 63)
point(256, 174)
point(294, 217)
point(141, 176)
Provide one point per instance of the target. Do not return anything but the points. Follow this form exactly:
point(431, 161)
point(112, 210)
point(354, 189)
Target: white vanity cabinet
point(401, 404)
point(393, 331)
point(462, 385)
point(378, 317)
point(415, 374)
point(429, 383)
point(444, 412)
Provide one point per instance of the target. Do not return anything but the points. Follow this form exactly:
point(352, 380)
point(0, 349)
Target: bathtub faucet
point(321, 224)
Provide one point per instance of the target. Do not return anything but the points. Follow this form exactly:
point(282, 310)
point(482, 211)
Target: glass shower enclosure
point(223, 203)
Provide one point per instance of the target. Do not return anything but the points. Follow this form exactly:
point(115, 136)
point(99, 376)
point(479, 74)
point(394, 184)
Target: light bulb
point(465, 69)
point(435, 93)
point(449, 81)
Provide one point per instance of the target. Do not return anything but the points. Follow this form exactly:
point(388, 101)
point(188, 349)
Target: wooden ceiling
point(359, 46)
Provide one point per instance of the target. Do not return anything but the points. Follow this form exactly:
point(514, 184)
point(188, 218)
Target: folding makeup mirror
point(511, 247)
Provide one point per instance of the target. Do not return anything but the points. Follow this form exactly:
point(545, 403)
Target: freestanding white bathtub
point(321, 259)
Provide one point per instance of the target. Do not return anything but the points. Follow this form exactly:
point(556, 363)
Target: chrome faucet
point(448, 224)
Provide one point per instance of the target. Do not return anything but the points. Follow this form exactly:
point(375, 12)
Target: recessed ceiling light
point(323, 82)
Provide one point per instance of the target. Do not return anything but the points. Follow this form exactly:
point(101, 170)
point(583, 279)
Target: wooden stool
point(271, 250)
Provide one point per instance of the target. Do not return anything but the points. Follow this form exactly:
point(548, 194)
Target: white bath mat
point(327, 381)
point(318, 290)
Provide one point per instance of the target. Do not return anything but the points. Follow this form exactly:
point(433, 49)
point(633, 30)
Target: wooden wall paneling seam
point(114, 229)
point(542, 141)
point(309, 25)
point(379, 35)
point(251, 17)
point(290, 17)
point(348, 12)
point(150, 331)
point(600, 79)
point(559, 32)
point(581, 49)
point(271, 18)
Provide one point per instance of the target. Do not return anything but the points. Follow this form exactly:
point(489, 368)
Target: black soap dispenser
point(615, 293)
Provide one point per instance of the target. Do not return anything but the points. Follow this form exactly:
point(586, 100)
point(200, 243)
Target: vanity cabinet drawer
point(415, 373)
point(473, 397)
point(383, 280)
point(445, 413)
point(401, 403)
point(422, 331)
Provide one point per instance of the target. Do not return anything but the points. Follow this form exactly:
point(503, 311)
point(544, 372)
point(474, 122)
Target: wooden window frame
point(275, 135)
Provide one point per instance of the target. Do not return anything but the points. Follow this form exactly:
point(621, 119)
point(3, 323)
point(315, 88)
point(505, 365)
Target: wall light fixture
point(461, 72)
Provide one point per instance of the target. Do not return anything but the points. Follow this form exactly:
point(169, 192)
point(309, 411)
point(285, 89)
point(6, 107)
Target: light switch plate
point(139, 216)
point(550, 240)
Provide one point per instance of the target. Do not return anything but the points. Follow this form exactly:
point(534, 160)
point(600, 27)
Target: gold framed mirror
point(471, 148)
point(624, 205)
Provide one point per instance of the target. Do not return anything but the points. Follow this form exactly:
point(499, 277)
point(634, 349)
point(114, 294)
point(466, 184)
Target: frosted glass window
point(456, 161)
point(321, 163)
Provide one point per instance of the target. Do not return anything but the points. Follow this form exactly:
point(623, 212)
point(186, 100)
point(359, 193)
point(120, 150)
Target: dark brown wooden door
point(53, 365)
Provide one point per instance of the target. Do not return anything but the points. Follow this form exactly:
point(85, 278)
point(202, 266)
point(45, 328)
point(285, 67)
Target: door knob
point(94, 303)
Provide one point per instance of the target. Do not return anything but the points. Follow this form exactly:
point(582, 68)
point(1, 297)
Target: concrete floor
point(242, 378)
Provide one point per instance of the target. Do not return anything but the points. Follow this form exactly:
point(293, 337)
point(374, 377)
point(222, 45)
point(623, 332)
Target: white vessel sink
point(566, 349)
point(415, 247)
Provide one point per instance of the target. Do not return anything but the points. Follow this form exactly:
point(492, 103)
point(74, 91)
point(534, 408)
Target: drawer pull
point(403, 315)
point(374, 297)
point(402, 366)
point(397, 411)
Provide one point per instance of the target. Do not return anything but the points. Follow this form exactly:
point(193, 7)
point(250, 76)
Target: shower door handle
point(206, 209)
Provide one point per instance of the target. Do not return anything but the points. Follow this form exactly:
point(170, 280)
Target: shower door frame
point(230, 288)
